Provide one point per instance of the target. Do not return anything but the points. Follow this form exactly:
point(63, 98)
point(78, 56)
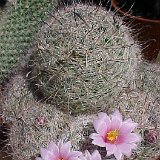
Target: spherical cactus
point(84, 56)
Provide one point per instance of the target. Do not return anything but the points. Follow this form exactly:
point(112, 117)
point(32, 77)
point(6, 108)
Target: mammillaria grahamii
point(59, 152)
point(115, 134)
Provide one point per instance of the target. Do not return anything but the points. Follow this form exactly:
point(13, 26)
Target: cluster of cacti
point(28, 132)
point(18, 26)
point(84, 56)
point(84, 60)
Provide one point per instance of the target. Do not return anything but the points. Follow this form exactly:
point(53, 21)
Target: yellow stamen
point(112, 135)
point(60, 159)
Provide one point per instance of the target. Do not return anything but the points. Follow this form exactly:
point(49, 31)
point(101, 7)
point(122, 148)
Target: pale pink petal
point(115, 123)
point(111, 148)
point(53, 148)
point(96, 123)
point(74, 154)
point(65, 149)
point(46, 155)
point(125, 149)
point(96, 155)
point(117, 115)
point(118, 155)
point(127, 127)
point(103, 116)
point(38, 158)
point(87, 155)
point(74, 158)
point(82, 157)
point(120, 139)
point(132, 138)
point(134, 146)
point(60, 144)
point(94, 135)
point(129, 120)
point(100, 126)
point(107, 120)
point(97, 140)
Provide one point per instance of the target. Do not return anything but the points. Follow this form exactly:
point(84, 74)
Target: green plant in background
point(18, 27)
point(83, 57)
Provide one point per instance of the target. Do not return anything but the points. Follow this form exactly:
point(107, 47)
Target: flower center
point(60, 158)
point(112, 136)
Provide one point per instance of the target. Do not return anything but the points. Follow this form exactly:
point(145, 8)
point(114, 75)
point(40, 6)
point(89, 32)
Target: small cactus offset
point(19, 23)
point(84, 56)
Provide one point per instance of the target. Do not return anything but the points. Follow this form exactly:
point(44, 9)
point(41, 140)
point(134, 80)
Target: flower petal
point(94, 135)
point(46, 155)
point(60, 144)
point(134, 146)
point(53, 148)
point(38, 158)
point(87, 155)
point(65, 149)
point(96, 155)
point(118, 155)
point(100, 126)
point(125, 149)
point(117, 115)
point(107, 120)
point(115, 123)
point(132, 138)
point(111, 148)
point(74, 154)
point(74, 158)
point(127, 127)
point(102, 115)
point(97, 140)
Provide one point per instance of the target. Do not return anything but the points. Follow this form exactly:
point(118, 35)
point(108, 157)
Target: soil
point(143, 8)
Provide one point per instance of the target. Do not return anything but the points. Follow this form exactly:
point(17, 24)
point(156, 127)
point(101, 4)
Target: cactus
point(19, 23)
point(148, 78)
point(83, 57)
point(27, 135)
point(25, 114)
point(59, 62)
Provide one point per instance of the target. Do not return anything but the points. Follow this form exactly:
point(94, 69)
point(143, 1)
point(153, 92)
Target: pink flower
point(59, 152)
point(115, 135)
point(95, 156)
